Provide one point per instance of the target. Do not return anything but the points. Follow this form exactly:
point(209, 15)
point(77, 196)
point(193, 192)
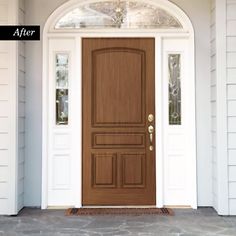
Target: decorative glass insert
point(62, 62)
point(174, 62)
point(62, 71)
point(119, 14)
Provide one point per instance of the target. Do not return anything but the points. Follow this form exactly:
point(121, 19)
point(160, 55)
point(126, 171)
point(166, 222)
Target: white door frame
point(159, 35)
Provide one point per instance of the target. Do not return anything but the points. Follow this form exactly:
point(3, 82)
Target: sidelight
point(174, 62)
point(62, 63)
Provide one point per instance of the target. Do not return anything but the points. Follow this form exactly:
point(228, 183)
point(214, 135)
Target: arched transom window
point(118, 14)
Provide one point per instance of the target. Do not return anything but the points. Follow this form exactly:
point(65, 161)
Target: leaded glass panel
point(62, 106)
point(174, 62)
point(62, 89)
point(62, 70)
point(120, 14)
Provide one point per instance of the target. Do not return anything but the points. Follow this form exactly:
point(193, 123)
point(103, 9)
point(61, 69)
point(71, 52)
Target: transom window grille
point(174, 62)
point(118, 14)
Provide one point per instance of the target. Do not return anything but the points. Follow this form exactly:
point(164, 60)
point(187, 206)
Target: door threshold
point(119, 206)
point(149, 206)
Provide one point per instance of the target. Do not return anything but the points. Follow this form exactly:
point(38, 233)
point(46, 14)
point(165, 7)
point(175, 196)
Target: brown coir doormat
point(119, 211)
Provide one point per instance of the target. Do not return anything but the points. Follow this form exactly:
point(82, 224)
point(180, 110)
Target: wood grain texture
point(121, 100)
point(118, 96)
point(104, 170)
point(133, 170)
point(120, 140)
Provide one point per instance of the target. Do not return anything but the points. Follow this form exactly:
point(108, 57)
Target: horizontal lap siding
point(21, 110)
point(4, 114)
point(5, 122)
point(213, 103)
point(231, 97)
point(12, 113)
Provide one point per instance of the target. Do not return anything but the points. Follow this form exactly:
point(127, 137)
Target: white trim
point(159, 123)
point(109, 33)
point(186, 151)
point(158, 35)
point(221, 81)
point(78, 166)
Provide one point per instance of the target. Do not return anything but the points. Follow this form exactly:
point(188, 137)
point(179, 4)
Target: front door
point(118, 121)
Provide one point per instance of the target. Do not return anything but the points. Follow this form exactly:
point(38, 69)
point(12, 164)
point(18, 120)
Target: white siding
point(231, 58)
point(232, 157)
point(4, 115)
point(219, 95)
point(223, 99)
point(11, 115)
point(213, 104)
point(231, 76)
point(231, 100)
point(21, 110)
point(232, 92)
point(232, 206)
point(231, 27)
point(7, 158)
point(232, 124)
point(231, 44)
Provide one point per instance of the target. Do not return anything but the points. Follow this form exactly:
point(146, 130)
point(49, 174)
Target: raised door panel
point(104, 170)
point(118, 87)
point(118, 140)
point(133, 170)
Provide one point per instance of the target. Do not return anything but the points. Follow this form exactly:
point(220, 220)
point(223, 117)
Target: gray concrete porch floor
point(32, 222)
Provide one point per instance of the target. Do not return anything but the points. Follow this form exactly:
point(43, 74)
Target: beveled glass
point(119, 14)
point(62, 70)
point(61, 106)
point(62, 90)
point(174, 62)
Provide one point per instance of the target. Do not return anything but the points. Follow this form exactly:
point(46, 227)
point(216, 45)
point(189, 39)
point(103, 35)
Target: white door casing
point(175, 146)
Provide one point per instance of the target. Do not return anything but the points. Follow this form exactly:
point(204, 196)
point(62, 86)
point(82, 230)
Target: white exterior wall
point(5, 127)
point(213, 104)
point(21, 108)
point(224, 106)
point(11, 198)
point(231, 101)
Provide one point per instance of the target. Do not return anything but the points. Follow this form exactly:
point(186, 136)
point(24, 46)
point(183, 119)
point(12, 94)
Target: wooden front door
point(118, 98)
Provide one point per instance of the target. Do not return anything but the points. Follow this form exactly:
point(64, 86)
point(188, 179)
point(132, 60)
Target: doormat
point(119, 211)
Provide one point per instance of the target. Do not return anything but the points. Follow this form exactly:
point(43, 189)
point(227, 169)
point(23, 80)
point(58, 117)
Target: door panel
point(133, 170)
point(107, 64)
point(104, 170)
point(118, 96)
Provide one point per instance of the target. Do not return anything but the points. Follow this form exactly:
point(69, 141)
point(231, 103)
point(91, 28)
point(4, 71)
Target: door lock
point(151, 131)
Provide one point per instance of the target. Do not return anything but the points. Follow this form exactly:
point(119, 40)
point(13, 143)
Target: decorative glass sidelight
point(174, 62)
point(118, 14)
point(62, 89)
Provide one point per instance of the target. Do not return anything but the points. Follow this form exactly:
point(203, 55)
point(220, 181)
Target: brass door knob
point(150, 118)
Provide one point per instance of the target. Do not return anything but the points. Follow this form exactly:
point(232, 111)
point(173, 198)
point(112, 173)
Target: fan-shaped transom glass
point(118, 14)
